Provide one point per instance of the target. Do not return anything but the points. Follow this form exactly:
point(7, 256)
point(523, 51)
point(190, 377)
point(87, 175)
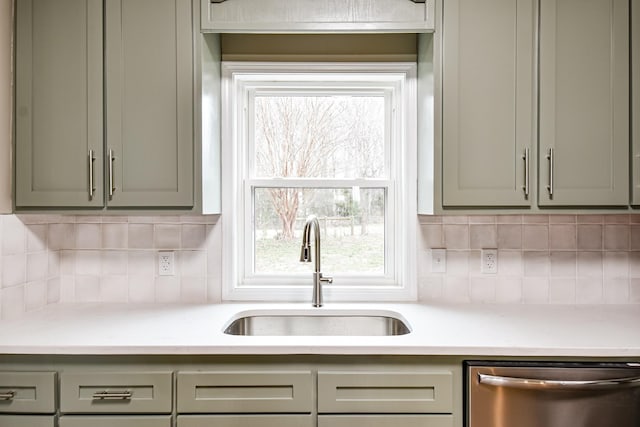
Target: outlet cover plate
point(438, 260)
point(166, 261)
point(489, 261)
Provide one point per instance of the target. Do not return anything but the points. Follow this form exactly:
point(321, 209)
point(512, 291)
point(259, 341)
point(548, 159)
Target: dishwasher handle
point(538, 384)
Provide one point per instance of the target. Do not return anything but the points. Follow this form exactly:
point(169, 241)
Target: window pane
point(313, 136)
point(351, 228)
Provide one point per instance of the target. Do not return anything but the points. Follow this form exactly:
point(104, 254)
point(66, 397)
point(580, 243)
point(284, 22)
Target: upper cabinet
point(635, 107)
point(6, 105)
point(149, 102)
point(584, 103)
point(59, 103)
point(317, 16)
point(91, 134)
point(535, 104)
point(488, 102)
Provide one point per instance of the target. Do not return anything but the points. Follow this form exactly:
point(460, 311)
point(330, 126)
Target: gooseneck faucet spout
point(305, 256)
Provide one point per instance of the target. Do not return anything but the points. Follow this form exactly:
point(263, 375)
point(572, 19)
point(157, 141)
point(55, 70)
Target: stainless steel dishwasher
point(518, 394)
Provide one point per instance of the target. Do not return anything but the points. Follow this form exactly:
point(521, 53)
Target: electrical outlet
point(489, 261)
point(165, 264)
point(438, 260)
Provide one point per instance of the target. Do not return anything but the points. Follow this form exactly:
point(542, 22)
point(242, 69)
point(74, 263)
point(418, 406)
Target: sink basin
point(321, 324)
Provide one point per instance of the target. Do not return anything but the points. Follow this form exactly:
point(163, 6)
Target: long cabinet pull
point(112, 188)
point(92, 187)
point(526, 173)
point(538, 384)
point(551, 167)
point(112, 395)
point(7, 395)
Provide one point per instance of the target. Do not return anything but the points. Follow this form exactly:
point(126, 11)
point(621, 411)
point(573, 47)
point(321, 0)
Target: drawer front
point(385, 421)
point(115, 421)
point(117, 392)
point(31, 392)
point(27, 421)
point(245, 421)
point(245, 392)
point(386, 392)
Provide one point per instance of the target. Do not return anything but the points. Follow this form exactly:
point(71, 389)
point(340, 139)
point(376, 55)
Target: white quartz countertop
point(478, 330)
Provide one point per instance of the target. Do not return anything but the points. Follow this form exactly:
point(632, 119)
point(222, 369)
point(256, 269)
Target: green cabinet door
point(245, 420)
point(488, 102)
point(635, 107)
point(59, 103)
point(27, 420)
point(584, 103)
point(115, 420)
point(149, 103)
point(385, 420)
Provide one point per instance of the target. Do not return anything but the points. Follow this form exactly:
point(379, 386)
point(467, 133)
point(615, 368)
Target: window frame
point(398, 82)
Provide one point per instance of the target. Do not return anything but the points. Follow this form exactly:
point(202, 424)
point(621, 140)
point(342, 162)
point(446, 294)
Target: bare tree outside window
point(322, 137)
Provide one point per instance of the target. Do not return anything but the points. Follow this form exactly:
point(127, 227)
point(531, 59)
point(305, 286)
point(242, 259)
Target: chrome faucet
point(305, 256)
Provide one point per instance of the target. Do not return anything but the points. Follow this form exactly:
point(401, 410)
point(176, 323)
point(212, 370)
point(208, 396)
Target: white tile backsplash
point(36, 237)
point(12, 301)
point(115, 236)
point(542, 259)
point(167, 236)
point(14, 270)
point(14, 238)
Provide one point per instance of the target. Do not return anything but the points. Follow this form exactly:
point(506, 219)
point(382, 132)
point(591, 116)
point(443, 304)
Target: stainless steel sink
point(317, 325)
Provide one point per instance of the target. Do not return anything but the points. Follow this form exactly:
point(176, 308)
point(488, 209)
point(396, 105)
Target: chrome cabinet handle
point(7, 395)
point(92, 188)
point(526, 187)
point(112, 188)
point(112, 395)
point(551, 166)
point(537, 384)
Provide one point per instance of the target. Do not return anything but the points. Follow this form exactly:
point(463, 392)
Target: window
point(332, 140)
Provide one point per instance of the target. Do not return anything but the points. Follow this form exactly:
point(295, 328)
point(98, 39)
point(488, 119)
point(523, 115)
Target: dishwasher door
point(512, 394)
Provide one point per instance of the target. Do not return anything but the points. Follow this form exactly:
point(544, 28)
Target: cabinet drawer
point(386, 392)
point(245, 392)
point(245, 421)
point(115, 420)
point(32, 392)
point(385, 421)
point(27, 421)
point(130, 392)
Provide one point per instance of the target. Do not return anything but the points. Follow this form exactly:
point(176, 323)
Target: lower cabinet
point(385, 421)
point(246, 391)
point(219, 391)
point(412, 392)
point(113, 421)
point(116, 392)
point(27, 421)
point(385, 398)
point(245, 421)
point(27, 392)
point(98, 398)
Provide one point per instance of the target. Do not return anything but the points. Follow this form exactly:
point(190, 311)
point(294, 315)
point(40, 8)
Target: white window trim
point(400, 287)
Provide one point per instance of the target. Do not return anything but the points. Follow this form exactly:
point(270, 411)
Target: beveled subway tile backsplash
point(542, 259)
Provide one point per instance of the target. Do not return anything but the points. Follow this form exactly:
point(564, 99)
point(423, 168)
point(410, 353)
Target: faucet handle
point(326, 279)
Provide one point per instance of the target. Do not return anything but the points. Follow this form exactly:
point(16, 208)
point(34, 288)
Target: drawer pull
point(112, 395)
point(92, 187)
point(525, 157)
point(551, 167)
point(112, 187)
point(7, 395)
